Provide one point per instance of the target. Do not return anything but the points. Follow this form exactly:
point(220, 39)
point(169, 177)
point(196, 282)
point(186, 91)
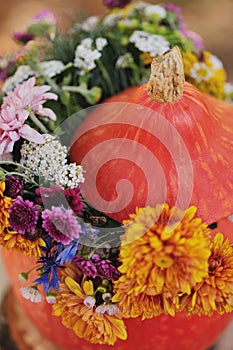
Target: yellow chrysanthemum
point(14, 241)
point(164, 252)
point(71, 305)
point(5, 204)
point(215, 292)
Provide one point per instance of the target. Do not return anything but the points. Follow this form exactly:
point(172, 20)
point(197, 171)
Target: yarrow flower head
point(24, 215)
point(151, 43)
point(61, 224)
point(158, 256)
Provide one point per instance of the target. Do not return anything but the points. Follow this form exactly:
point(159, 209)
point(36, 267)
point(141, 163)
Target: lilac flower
point(87, 267)
point(111, 4)
point(197, 40)
point(27, 94)
point(61, 224)
point(14, 186)
point(104, 268)
point(24, 215)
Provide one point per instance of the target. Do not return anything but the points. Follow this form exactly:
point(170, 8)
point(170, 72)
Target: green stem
point(36, 121)
point(49, 81)
point(106, 77)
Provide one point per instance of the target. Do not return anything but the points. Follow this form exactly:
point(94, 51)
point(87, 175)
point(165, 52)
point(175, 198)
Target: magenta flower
point(13, 114)
point(14, 186)
point(61, 224)
point(104, 268)
point(111, 4)
point(56, 196)
point(24, 215)
point(22, 37)
point(87, 267)
point(73, 197)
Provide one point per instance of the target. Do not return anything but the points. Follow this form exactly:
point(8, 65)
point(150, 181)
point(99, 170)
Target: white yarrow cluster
point(87, 52)
point(152, 43)
point(49, 69)
point(49, 161)
point(22, 73)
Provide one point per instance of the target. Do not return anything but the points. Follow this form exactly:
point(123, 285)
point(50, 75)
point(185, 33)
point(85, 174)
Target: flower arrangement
point(94, 270)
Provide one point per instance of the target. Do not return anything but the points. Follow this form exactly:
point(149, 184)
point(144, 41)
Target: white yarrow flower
point(31, 293)
point(22, 73)
point(152, 43)
point(101, 43)
point(216, 63)
point(51, 68)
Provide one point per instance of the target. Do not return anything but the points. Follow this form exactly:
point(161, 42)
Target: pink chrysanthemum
point(13, 114)
point(61, 224)
point(24, 215)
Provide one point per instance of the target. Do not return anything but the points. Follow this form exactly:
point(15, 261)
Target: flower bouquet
point(115, 181)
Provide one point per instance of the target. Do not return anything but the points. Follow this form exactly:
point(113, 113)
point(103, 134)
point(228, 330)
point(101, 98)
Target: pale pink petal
point(30, 134)
point(47, 112)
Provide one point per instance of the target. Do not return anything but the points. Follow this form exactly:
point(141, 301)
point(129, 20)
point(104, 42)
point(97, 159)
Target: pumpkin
point(173, 145)
point(168, 142)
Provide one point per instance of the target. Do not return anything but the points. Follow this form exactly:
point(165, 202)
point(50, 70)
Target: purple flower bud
point(14, 186)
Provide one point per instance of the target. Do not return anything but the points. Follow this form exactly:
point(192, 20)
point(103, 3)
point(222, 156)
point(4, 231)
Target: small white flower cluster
point(111, 19)
point(152, 43)
point(155, 10)
point(228, 91)
point(49, 161)
point(88, 25)
point(22, 73)
point(49, 69)
point(124, 60)
point(87, 53)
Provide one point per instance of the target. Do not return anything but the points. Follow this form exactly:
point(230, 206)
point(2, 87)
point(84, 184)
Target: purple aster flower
point(22, 37)
point(14, 186)
point(61, 224)
point(104, 268)
point(111, 4)
point(24, 215)
point(87, 267)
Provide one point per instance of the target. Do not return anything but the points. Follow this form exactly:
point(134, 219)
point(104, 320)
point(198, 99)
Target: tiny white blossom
point(200, 71)
point(109, 309)
point(31, 293)
point(124, 60)
point(52, 68)
point(111, 19)
point(152, 43)
point(216, 63)
point(88, 25)
point(155, 9)
point(101, 43)
point(22, 73)
point(89, 301)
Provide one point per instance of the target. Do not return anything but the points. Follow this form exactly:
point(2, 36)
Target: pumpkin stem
point(166, 83)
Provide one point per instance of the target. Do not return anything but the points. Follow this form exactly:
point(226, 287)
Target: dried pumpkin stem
point(166, 83)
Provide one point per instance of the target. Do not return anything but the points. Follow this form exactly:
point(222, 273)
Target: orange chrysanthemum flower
point(76, 306)
point(5, 204)
point(215, 292)
point(164, 253)
point(14, 241)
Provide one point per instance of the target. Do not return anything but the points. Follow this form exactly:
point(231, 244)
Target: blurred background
point(212, 19)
